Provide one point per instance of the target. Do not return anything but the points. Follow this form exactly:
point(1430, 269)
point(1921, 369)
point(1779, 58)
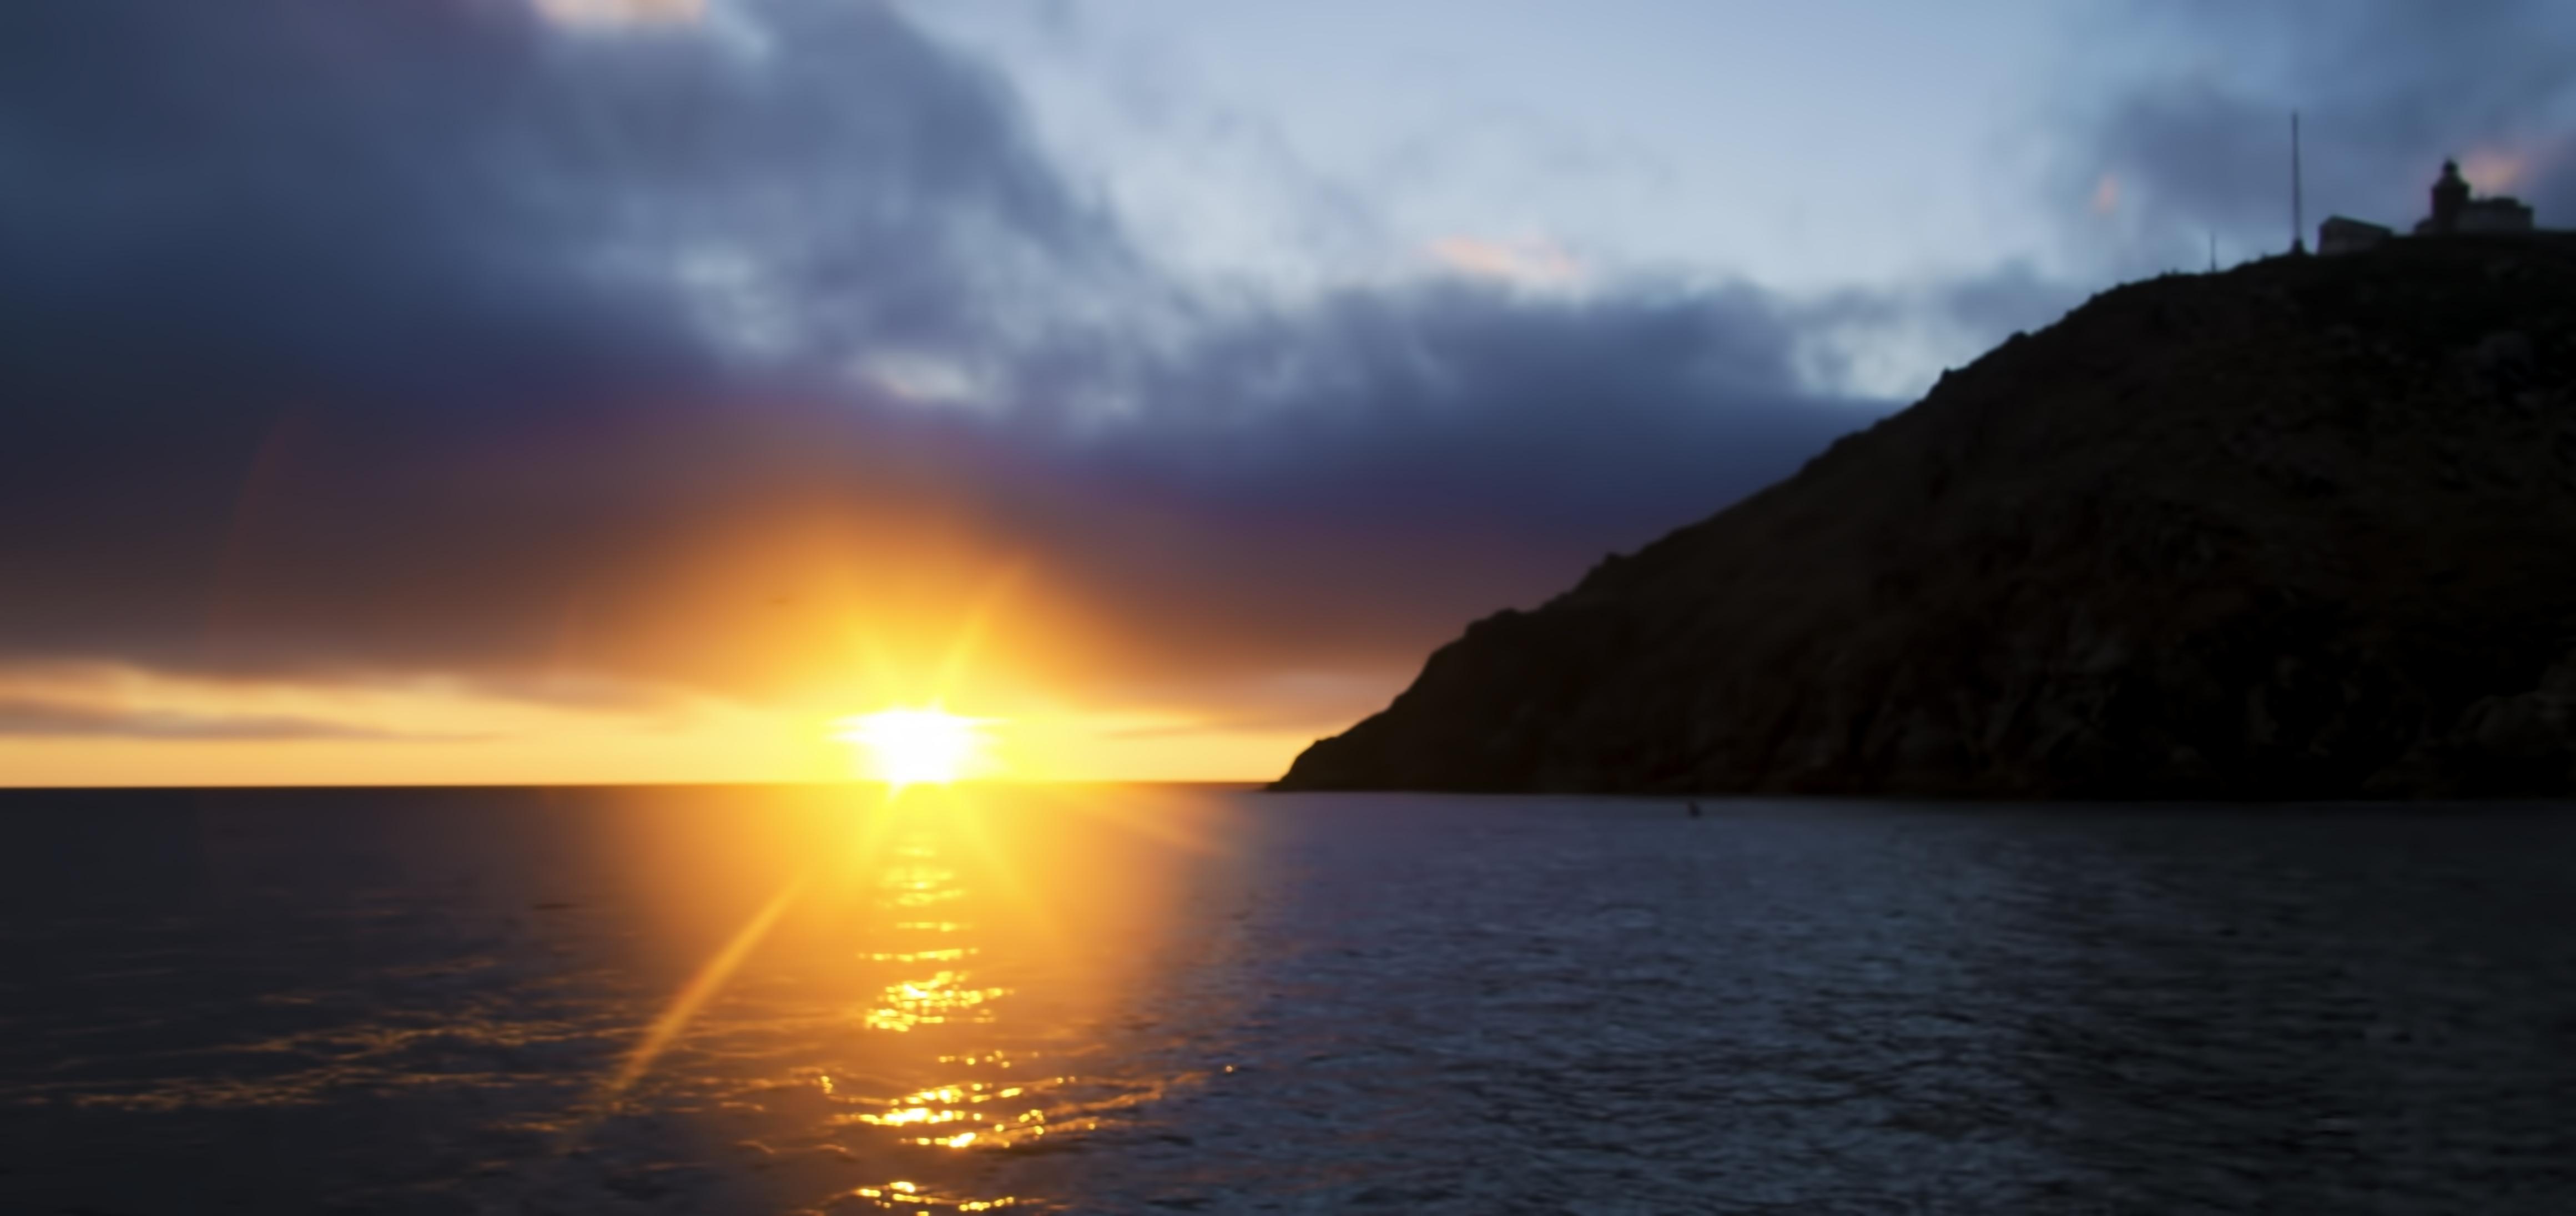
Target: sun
point(917, 746)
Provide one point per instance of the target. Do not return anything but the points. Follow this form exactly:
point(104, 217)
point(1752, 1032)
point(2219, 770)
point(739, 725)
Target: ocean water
point(1207, 1000)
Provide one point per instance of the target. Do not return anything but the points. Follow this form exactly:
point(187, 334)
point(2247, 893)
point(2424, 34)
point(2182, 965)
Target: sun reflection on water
point(961, 958)
point(894, 1193)
point(913, 1000)
point(751, 1000)
point(945, 995)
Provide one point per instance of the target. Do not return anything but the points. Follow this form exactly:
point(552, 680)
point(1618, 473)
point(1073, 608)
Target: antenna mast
point(2298, 205)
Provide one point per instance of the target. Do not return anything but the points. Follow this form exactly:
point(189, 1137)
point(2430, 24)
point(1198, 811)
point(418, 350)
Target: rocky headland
point(2305, 529)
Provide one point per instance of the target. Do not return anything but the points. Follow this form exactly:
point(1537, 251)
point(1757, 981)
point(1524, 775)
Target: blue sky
point(1909, 136)
point(1808, 146)
point(2027, 153)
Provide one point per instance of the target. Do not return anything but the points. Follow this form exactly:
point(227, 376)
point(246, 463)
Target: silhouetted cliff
point(2304, 529)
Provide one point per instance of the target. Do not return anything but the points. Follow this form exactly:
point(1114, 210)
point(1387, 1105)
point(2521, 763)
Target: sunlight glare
point(917, 746)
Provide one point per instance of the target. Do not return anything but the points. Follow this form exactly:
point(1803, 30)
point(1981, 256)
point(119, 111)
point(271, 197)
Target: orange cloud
point(98, 724)
point(2106, 195)
point(622, 12)
point(1537, 262)
point(802, 617)
point(130, 727)
point(2494, 170)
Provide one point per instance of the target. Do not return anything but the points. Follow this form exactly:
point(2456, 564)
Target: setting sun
point(917, 746)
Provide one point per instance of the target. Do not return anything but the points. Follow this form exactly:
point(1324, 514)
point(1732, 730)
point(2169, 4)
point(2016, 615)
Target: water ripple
point(409, 1002)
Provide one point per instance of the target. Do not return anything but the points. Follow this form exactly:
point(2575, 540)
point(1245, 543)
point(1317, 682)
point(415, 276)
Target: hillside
point(2303, 529)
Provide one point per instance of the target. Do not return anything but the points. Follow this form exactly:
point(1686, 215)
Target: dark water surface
point(1140, 1000)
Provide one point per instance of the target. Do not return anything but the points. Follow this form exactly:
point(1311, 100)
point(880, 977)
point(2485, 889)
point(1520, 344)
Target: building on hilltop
point(2341, 234)
point(2454, 213)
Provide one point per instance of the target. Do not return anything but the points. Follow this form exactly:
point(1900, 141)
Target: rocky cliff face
point(2305, 529)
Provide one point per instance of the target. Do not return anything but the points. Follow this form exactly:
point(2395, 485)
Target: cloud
point(1537, 262)
point(2496, 170)
point(53, 720)
point(380, 338)
point(622, 12)
point(306, 258)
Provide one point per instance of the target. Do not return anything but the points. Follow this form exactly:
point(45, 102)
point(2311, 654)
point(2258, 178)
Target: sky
point(496, 391)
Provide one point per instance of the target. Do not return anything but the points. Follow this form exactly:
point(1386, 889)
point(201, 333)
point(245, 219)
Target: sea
point(1145, 999)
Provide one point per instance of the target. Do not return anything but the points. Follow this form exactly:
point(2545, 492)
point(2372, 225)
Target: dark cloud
point(408, 335)
point(309, 256)
point(1354, 480)
point(2013, 298)
point(51, 720)
point(2386, 90)
point(1461, 407)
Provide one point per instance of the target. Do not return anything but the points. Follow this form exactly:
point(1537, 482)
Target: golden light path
point(909, 746)
point(971, 926)
point(700, 989)
point(921, 752)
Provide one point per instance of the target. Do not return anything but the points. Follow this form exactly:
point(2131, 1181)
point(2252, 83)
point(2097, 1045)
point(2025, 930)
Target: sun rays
point(925, 755)
point(908, 746)
point(917, 741)
point(924, 746)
